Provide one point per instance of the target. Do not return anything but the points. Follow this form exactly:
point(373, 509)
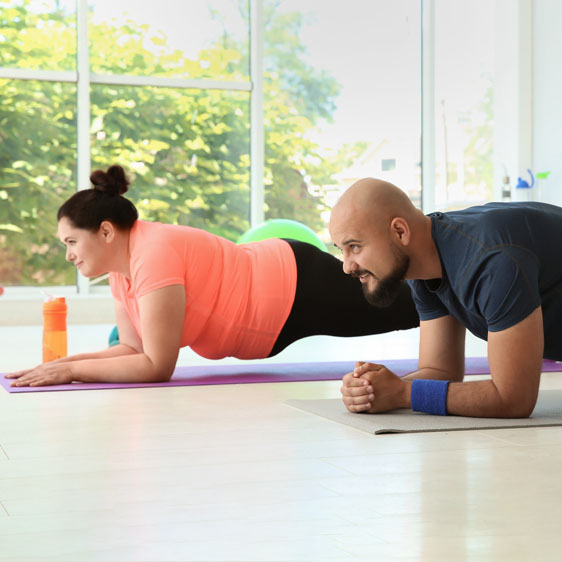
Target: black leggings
point(330, 302)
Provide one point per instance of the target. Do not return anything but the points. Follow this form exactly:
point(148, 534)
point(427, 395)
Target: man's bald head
point(373, 203)
point(370, 224)
point(383, 238)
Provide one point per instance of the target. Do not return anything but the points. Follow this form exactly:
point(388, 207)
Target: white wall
point(547, 97)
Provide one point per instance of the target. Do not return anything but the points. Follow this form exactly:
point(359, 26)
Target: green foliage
point(187, 151)
point(37, 163)
point(44, 40)
point(479, 166)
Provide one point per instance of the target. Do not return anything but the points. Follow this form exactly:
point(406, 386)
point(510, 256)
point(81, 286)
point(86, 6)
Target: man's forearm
point(434, 374)
point(480, 399)
point(483, 399)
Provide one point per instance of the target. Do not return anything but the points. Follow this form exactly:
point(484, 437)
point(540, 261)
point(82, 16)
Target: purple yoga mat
point(262, 372)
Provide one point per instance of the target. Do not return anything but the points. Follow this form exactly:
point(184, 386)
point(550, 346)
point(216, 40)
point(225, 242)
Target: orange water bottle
point(54, 329)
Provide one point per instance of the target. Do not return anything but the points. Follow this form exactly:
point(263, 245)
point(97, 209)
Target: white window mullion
point(83, 112)
point(41, 75)
point(163, 82)
point(257, 150)
point(428, 106)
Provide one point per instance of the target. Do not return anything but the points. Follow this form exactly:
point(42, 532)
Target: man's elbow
point(518, 409)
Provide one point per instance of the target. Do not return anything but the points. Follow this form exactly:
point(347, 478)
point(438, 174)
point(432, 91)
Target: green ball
point(113, 337)
point(283, 228)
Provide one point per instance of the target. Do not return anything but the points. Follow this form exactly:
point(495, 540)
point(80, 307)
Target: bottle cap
point(55, 304)
point(54, 314)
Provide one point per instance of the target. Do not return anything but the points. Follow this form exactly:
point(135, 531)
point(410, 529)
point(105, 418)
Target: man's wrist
point(407, 395)
point(429, 396)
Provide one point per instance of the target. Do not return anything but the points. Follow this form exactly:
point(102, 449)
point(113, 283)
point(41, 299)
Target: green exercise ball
point(282, 228)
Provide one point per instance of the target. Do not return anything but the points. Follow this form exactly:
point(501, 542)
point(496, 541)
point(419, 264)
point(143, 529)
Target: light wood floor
point(230, 472)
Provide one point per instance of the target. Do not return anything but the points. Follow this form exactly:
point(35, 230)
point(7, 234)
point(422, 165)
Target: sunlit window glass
point(464, 98)
point(38, 34)
point(175, 38)
point(187, 152)
point(342, 97)
point(37, 173)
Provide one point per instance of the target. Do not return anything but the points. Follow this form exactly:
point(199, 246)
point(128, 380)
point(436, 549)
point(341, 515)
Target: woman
point(177, 286)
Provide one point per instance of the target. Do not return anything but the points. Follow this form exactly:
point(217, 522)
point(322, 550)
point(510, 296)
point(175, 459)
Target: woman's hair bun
point(113, 182)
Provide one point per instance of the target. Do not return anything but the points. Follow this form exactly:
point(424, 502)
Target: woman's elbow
point(160, 373)
point(163, 375)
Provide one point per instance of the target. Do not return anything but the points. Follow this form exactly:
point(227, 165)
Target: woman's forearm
point(134, 367)
point(115, 351)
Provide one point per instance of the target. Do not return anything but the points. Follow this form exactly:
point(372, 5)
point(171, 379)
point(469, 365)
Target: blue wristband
point(429, 396)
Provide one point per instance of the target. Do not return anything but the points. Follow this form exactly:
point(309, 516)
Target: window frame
point(513, 145)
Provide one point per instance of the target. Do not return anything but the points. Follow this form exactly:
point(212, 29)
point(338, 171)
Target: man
point(494, 269)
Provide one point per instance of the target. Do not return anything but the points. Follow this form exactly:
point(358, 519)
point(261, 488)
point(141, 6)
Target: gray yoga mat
point(548, 412)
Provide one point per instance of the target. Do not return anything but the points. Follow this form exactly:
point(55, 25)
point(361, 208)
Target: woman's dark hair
point(88, 208)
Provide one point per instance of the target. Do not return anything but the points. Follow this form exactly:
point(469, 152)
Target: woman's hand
point(43, 375)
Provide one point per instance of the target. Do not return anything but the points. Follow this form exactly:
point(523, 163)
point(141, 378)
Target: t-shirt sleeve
point(428, 304)
point(157, 267)
point(507, 288)
point(116, 286)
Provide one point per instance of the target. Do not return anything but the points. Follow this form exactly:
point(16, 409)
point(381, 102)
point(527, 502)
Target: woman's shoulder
point(149, 231)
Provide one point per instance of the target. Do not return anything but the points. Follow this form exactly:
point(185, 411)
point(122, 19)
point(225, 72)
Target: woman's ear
point(400, 231)
point(107, 231)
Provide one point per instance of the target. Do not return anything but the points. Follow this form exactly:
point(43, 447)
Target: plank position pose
point(176, 286)
point(494, 269)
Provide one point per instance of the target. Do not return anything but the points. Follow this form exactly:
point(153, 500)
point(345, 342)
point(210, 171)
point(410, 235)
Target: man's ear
point(400, 231)
point(107, 231)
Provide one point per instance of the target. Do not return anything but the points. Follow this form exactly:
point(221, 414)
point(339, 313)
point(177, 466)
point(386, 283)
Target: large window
point(37, 138)
point(172, 38)
point(464, 65)
point(348, 79)
point(186, 149)
point(179, 94)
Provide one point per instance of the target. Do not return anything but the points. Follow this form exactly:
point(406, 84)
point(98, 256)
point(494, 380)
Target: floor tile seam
point(413, 453)
point(289, 439)
point(183, 501)
point(162, 464)
point(95, 480)
point(152, 502)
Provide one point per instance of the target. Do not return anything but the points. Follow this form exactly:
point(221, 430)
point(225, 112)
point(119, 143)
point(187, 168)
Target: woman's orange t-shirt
point(238, 297)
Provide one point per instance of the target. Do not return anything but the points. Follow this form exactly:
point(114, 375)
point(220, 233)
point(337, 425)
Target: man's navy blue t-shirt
point(499, 262)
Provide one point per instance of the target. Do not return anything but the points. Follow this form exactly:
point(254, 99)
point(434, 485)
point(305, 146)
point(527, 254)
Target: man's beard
point(388, 288)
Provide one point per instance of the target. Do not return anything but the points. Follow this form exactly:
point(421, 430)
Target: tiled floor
point(232, 473)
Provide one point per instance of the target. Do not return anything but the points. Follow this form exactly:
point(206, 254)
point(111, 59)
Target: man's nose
point(349, 266)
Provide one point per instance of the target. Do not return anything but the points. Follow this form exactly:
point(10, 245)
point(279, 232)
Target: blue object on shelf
point(523, 184)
